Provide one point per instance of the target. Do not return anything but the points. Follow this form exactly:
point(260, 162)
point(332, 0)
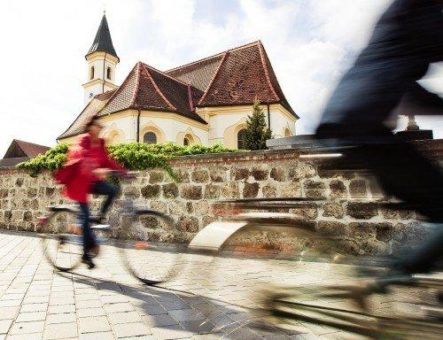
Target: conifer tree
point(257, 132)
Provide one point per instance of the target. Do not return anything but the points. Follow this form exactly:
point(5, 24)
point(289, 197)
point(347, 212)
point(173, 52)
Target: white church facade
point(202, 102)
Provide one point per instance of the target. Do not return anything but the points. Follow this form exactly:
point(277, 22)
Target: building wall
point(347, 212)
point(121, 127)
point(225, 122)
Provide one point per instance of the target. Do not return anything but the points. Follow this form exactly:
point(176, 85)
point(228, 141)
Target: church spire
point(103, 41)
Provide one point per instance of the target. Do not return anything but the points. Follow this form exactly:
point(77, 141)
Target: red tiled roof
point(94, 106)
point(146, 88)
point(234, 77)
point(19, 148)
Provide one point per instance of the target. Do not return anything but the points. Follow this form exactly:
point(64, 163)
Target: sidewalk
point(107, 303)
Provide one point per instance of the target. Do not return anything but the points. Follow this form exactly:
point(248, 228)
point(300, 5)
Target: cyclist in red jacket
point(85, 173)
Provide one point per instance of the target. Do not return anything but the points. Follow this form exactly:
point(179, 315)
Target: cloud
point(310, 44)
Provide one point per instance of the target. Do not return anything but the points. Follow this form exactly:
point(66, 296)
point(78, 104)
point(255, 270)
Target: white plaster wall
point(98, 73)
point(171, 128)
point(126, 125)
point(220, 122)
point(279, 122)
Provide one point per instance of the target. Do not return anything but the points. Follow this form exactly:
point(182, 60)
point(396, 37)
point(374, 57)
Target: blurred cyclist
point(406, 40)
point(85, 173)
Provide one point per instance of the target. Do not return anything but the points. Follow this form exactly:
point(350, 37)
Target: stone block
point(314, 189)
point(151, 191)
point(188, 223)
point(363, 230)
point(269, 191)
point(309, 211)
point(259, 174)
point(333, 210)
point(337, 189)
point(156, 177)
point(363, 211)
point(301, 170)
point(200, 176)
point(32, 192)
point(170, 190)
point(217, 175)
point(250, 190)
point(230, 190)
point(239, 174)
point(19, 182)
point(292, 189)
point(212, 191)
point(182, 175)
point(160, 206)
point(131, 191)
point(332, 228)
point(208, 220)
point(191, 192)
point(202, 207)
point(385, 232)
point(357, 188)
point(278, 174)
point(50, 191)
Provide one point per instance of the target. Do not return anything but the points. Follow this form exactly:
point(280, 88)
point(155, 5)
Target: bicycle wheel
point(62, 243)
point(145, 254)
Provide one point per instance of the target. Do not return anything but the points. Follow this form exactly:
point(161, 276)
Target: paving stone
point(118, 307)
point(25, 317)
point(89, 304)
point(94, 324)
point(34, 307)
point(5, 325)
point(7, 313)
point(131, 329)
point(86, 312)
point(61, 309)
point(126, 317)
point(27, 327)
point(61, 331)
point(61, 318)
point(159, 320)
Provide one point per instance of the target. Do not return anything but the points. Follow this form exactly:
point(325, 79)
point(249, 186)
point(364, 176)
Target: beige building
point(205, 102)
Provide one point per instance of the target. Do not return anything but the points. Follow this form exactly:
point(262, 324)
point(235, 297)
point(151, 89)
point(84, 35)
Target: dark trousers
point(406, 40)
point(99, 188)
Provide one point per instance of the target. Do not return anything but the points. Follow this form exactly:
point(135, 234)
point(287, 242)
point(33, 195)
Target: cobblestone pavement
point(206, 301)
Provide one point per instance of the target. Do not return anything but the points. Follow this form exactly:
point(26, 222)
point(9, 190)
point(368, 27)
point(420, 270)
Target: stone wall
point(204, 180)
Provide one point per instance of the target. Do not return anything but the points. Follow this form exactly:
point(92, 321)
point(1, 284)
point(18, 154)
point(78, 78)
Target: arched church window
point(188, 140)
point(92, 73)
point(108, 73)
point(241, 139)
point(150, 138)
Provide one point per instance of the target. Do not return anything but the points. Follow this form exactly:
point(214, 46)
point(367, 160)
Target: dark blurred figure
point(406, 40)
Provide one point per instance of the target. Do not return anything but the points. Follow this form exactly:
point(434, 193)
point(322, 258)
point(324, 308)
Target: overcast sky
point(43, 43)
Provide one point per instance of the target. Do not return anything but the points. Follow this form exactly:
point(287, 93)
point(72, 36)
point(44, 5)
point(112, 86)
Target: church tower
point(102, 61)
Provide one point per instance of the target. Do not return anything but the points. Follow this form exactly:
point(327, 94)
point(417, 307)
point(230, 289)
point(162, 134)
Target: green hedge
point(134, 156)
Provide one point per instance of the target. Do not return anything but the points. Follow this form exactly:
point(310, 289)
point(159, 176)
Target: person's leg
point(84, 221)
point(107, 189)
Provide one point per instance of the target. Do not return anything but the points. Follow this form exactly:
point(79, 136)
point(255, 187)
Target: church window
point(150, 138)
point(241, 139)
point(188, 140)
point(108, 73)
point(91, 73)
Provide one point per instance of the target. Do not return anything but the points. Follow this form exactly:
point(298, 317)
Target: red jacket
point(77, 173)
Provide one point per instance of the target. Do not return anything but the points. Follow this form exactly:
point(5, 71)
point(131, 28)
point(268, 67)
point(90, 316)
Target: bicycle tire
point(62, 242)
point(144, 255)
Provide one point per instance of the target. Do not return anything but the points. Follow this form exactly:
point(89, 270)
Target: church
point(203, 102)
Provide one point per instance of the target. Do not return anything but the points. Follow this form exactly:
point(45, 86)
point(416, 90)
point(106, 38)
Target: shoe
point(87, 260)
point(94, 251)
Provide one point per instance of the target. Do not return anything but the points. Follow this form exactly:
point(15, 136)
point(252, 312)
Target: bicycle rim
point(148, 258)
point(62, 243)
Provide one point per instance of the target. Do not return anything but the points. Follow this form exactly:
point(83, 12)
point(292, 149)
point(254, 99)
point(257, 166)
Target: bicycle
point(149, 261)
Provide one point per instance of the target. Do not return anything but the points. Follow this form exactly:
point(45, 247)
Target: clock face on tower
point(91, 95)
